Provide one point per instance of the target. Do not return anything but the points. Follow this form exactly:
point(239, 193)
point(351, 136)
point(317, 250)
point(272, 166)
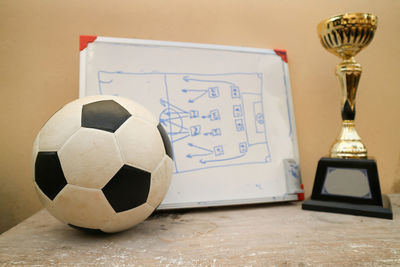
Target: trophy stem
point(348, 144)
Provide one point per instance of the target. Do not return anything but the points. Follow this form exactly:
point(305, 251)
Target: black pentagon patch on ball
point(166, 141)
point(128, 189)
point(106, 115)
point(49, 175)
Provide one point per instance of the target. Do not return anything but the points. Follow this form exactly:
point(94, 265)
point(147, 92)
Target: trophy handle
point(348, 144)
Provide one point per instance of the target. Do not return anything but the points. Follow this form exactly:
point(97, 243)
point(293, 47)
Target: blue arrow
point(199, 147)
point(173, 123)
point(188, 79)
point(176, 133)
point(194, 99)
point(179, 117)
point(164, 102)
point(203, 92)
point(183, 137)
point(224, 159)
point(193, 90)
point(198, 155)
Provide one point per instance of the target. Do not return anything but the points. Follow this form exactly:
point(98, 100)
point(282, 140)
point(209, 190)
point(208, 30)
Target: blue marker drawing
point(203, 161)
point(195, 130)
point(189, 79)
point(218, 150)
point(198, 155)
point(213, 92)
point(214, 115)
point(235, 92)
point(194, 114)
point(237, 111)
point(243, 147)
point(294, 170)
point(214, 132)
point(199, 147)
point(197, 92)
point(239, 125)
point(213, 120)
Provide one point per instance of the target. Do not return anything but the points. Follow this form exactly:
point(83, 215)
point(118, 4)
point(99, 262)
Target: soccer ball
point(102, 163)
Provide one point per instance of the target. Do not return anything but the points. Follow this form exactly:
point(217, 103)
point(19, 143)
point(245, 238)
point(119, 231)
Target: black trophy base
point(384, 212)
point(348, 186)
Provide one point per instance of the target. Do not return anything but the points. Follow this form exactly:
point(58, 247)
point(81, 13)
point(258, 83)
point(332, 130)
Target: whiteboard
point(228, 112)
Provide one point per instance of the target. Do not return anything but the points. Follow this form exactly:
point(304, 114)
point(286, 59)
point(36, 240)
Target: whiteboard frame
point(298, 195)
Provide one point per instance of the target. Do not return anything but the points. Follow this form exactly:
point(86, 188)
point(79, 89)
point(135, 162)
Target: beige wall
point(39, 63)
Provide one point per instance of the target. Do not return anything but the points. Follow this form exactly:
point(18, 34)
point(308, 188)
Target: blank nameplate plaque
point(349, 186)
point(337, 181)
point(228, 112)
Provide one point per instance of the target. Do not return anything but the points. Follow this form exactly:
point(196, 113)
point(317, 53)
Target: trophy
point(347, 181)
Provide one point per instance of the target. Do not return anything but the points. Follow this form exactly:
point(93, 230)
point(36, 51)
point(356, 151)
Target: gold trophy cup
point(345, 36)
point(347, 182)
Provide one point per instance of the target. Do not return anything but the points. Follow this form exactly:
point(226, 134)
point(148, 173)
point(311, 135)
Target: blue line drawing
point(235, 91)
point(294, 170)
point(195, 130)
point(199, 147)
point(214, 132)
point(213, 92)
point(188, 79)
point(259, 75)
point(214, 115)
point(243, 147)
point(239, 125)
point(213, 120)
point(170, 125)
point(237, 111)
point(219, 160)
point(244, 125)
point(259, 116)
point(181, 138)
point(194, 114)
point(192, 100)
point(193, 90)
point(198, 155)
point(218, 150)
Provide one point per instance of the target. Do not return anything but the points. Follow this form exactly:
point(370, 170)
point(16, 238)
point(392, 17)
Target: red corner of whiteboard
point(300, 196)
point(282, 54)
point(84, 40)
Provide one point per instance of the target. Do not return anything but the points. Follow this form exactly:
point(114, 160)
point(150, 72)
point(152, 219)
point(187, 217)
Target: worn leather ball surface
point(102, 163)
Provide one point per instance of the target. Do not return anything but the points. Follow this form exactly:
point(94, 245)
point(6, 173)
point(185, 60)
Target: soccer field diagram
point(213, 120)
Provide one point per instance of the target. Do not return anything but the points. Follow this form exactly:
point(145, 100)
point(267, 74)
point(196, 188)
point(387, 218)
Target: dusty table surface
point(257, 235)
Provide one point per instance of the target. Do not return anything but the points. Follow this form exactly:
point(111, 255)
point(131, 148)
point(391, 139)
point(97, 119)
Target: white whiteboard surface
point(228, 112)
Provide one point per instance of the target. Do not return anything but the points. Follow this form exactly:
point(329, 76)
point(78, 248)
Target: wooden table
point(257, 235)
